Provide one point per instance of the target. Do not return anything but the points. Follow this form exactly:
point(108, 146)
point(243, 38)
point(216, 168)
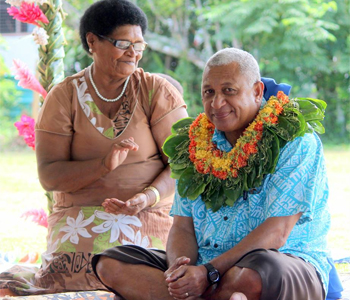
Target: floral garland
point(222, 177)
point(206, 157)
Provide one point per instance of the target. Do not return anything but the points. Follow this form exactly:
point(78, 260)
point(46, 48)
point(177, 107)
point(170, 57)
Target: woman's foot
point(238, 296)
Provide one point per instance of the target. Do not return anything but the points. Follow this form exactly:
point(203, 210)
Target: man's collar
point(220, 140)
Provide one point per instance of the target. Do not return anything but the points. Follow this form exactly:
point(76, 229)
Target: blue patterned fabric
point(299, 184)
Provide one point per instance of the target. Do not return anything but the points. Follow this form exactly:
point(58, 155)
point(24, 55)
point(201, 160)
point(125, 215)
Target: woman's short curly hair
point(104, 16)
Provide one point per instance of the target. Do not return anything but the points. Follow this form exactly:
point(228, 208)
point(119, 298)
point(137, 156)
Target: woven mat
point(90, 295)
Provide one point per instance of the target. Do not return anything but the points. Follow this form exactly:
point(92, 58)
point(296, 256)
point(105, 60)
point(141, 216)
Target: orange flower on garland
point(205, 155)
point(282, 97)
point(250, 148)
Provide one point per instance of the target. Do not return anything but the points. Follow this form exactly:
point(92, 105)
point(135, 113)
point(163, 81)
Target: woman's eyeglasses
point(124, 45)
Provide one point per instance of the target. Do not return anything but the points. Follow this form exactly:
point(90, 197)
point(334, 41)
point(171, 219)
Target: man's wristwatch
point(213, 274)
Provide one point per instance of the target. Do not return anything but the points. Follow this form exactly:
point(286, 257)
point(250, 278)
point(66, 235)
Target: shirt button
point(225, 218)
point(216, 245)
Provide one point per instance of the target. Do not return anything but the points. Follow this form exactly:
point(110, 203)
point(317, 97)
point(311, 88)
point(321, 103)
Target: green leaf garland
point(219, 187)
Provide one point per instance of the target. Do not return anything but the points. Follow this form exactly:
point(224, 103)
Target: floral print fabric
point(74, 237)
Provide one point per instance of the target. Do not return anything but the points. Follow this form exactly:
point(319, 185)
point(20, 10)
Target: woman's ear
point(90, 39)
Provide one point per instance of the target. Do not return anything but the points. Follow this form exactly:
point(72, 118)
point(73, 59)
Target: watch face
point(214, 276)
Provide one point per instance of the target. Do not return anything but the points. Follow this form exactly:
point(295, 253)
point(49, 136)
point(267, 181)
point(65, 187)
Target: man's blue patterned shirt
point(299, 184)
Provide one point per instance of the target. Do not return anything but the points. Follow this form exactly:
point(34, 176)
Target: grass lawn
point(20, 190)
point(338, 169)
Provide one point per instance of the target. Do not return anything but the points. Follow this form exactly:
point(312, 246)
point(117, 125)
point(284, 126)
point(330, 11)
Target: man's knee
point(249, 278)
point(242, 280)
point(283, 275)
point(106, 268)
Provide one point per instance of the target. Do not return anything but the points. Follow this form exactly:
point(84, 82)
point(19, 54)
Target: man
point(218, 251)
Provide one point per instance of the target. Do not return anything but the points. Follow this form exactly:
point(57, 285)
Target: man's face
point(230, 101)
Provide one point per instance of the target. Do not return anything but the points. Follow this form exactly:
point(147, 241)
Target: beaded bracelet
point(154, 190)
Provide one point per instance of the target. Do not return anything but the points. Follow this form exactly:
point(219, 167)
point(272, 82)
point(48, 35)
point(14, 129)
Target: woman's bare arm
point(58, 173)
point(164, 184)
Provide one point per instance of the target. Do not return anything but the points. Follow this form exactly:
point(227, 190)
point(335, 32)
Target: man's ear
point(259, 91)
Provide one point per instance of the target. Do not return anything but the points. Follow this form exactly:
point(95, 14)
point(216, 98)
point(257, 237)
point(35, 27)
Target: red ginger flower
point(38, 216)
point(26, 79)
point(28, 13)
point(25, 128)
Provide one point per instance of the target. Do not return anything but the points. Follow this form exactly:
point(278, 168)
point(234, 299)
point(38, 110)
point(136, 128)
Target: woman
point(99, 137)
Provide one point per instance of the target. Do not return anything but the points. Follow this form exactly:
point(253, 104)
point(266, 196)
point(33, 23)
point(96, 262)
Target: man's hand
point(187, 282)
point(180, 261)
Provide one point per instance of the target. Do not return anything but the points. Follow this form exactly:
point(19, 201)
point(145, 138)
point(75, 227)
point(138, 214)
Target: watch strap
point(210, 269)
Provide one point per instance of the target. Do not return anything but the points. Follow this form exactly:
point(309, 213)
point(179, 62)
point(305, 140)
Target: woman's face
point(113, 61)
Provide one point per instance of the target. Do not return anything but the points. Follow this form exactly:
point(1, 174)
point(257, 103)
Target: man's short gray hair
point(246, 62)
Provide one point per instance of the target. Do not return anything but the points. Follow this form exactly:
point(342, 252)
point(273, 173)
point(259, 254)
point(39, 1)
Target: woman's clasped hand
point(118, 153)
point(114, 158)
